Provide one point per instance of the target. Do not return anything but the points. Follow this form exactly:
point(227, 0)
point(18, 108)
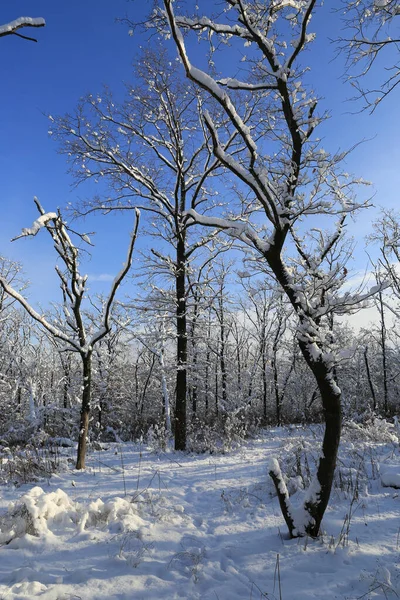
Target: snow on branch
point(116, 283)
point(207, 82)
point(233, 227)
point(12, 27)
point(40, 222)
point(35, 315)
point(72, 284)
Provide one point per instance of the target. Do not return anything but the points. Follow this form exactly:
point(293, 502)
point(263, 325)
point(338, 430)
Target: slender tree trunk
point(276, 391)
point(277, 337)
point(166, 410)
point(370, 383)
point(146, 384)
point(136, 378)
point(238, 357)
point(181, 374)
point(194, 355)
point(216, 386)
point(264, 374)
point(384, 357)
point(194, 387)
point(208, 357)
point(65, 387)
point(222, 361)
point(19, 398)
point(85, 410)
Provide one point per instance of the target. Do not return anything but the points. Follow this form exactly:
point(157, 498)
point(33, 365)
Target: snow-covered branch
point(36, 316)
point(115, 285)
point(12, 27)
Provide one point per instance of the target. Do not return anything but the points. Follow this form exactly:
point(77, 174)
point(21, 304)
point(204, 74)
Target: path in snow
point(200, 527)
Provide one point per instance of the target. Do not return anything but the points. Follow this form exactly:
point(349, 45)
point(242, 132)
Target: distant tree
point(72, 330)
point(13, 27)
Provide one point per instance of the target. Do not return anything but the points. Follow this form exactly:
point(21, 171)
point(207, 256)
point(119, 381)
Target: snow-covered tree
point(289, 179)
point(150, 149)
point(72, 330)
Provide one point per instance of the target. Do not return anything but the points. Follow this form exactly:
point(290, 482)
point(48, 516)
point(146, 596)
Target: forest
point(221, 419)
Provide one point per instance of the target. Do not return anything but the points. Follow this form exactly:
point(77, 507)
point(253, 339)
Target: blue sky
point(80, 49)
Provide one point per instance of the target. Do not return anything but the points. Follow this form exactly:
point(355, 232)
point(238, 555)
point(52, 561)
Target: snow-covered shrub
point(371, 428)
point(34, 513)
point(203, 438)
point(29, 464)
point(226, 432)
point(157, 438)
point(41, 514)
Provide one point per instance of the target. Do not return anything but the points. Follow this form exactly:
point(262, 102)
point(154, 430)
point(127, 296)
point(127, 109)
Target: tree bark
point(331, 404)
point(330, 394)
point(222, 361)
point(85, 410)
point(181, 327)
point(384, 358)
point(370, 383)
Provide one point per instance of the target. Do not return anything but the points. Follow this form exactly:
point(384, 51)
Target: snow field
point(149, 526)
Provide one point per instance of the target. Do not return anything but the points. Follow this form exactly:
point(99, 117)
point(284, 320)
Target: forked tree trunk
point(317, 498)
point(85, 410)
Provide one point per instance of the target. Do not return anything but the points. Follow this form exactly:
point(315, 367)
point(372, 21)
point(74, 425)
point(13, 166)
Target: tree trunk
point(384, 358)
point(181, 373)
point(222, 362)
point(85, 410)
point(164, 387)
point(216, 386)
point(331, 404)
point(194, 355)
point(264, 373)
point(318, 495)
point(370, 383)
point(207, 367)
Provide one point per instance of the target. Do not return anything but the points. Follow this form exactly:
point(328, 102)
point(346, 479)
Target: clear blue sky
point(81, 48)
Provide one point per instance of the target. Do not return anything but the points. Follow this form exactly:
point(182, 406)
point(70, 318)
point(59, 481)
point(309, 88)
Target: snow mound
point(34, 514)
point(44, 515)
point(390, 476)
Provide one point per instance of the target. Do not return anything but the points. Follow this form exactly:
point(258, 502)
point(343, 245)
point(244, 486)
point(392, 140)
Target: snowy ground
point(146, 525)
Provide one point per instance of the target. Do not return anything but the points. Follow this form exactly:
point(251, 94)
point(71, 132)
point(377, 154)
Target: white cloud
point(101, 277)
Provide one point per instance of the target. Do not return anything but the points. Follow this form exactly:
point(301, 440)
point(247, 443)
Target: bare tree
point(13, 27)
point(290, 179)
point(372, 27)
point(73, 331)
point(151, 147)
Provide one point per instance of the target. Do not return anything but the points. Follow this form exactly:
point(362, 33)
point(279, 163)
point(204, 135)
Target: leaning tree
point(293, 186)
